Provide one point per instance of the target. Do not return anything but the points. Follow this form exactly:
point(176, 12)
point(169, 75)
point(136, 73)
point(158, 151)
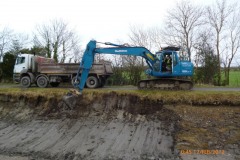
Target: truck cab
point(22, 64)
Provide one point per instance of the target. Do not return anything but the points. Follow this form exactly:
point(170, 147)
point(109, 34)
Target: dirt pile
point(105, 126)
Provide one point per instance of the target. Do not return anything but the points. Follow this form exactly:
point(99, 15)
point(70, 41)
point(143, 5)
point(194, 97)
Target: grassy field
point(234, 79)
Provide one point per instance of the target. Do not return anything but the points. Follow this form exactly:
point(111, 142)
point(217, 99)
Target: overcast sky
point(103, 20)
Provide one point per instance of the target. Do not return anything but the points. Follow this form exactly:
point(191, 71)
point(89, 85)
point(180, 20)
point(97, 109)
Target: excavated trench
point(108, 126)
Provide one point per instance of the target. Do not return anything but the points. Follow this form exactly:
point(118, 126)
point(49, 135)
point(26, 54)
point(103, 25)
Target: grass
point(167, 97)
point(34, 92)
point(234, 78)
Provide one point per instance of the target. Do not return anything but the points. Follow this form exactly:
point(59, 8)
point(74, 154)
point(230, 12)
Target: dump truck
point(30, 69)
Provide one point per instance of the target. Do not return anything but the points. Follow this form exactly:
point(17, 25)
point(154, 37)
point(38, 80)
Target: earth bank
point(116, 125)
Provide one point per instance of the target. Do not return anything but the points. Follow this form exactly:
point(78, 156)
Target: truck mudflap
point(32, 77)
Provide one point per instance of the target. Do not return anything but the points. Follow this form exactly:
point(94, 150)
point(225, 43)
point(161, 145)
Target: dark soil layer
point(116, 125)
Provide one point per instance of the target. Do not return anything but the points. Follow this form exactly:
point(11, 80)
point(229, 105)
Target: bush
point(7, 66)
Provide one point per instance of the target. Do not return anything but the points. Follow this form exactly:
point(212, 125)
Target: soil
point(115, 126)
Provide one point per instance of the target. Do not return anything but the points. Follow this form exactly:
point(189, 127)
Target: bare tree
point(217, 18)
point(77, 54)
point(181, 24)
point(145, 37)
point(155, 38)
point(42, 38)
point(140, 36)
point(5, 40)
point(19, 41)
point(57, 38)
point(233, 41)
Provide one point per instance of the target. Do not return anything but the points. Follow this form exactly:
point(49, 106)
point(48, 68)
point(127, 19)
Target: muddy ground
point(116, 126)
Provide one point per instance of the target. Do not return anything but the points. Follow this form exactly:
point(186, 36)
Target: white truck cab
point(22, 64)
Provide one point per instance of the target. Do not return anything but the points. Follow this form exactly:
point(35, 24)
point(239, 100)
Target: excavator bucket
point(74, 92)
point(70, 99)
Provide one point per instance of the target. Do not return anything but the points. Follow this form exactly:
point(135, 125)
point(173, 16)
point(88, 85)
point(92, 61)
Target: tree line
point(211, 34)
point(54, 39)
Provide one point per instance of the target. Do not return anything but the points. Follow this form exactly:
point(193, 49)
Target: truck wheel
point(54, 84)
point(25, 81)
point(42, 82)
point(75, 84)
point(92, 82)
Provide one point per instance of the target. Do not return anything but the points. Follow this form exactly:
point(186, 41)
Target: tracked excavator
point(170, 67)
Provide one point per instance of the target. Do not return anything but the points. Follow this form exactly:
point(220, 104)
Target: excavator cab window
point(183, 55)
point(157, 65)
point(166, 61)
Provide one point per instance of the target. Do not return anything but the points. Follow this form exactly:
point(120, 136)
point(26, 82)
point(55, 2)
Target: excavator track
point(166, 84)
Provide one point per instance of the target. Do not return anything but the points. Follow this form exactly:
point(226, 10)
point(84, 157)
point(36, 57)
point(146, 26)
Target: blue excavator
point(176, 76)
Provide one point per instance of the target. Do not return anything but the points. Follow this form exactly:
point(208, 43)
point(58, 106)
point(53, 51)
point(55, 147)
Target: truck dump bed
point(101, 68)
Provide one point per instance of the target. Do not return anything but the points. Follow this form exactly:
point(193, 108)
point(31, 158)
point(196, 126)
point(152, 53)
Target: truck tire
point(42, 82)
point(75, 85)
point(92, 82)
point(54, 84)
point(25, 81)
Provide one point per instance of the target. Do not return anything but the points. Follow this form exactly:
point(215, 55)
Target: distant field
point(234, 79)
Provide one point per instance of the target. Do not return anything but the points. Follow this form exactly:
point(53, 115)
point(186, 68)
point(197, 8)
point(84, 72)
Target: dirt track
point(112, 126)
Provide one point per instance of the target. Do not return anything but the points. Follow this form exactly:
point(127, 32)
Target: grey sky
point(103, 20)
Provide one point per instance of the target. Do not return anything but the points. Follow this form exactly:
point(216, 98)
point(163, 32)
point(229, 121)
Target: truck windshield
point(20, 60)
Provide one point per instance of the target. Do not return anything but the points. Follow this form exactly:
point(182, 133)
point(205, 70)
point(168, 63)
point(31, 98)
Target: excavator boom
point(155, 63)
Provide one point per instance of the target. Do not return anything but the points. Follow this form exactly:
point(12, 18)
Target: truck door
point(21, 64)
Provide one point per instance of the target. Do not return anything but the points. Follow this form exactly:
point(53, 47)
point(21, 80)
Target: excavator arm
point(91, 50)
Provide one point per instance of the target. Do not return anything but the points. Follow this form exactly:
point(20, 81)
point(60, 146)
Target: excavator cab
point(166, 61)
point(173, 61)
point(167, 57)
